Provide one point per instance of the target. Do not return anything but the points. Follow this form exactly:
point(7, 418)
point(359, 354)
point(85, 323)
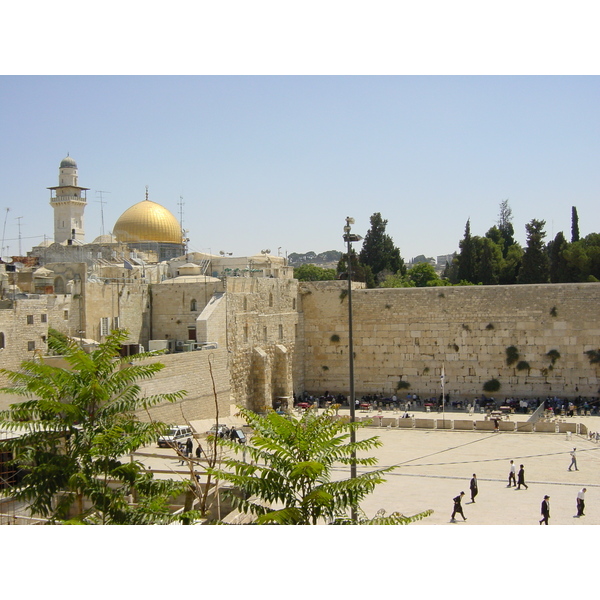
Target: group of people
point(186, 450)
point(517, 480)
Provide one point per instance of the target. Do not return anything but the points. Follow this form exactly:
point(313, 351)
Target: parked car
point(176, 433)
point(221, 430)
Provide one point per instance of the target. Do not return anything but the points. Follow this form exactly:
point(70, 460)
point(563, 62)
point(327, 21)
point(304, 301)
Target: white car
point(176, 433)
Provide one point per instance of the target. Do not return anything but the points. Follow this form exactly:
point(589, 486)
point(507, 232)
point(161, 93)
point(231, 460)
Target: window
point(44, 318)
point(29, 319)
point(246, 333)
point(66, 315)
point(30, 346)
point(193, 305)
point(280, 332)
point(270, 299)
point(265, 333)
point(293, 303)
point(116, 323)
point(104, 326)
point(1, 340)
point(192, 334)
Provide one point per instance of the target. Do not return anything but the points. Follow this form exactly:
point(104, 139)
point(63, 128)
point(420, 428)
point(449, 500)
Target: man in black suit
point(545, 510)
point(458, 507)
point(473, 488)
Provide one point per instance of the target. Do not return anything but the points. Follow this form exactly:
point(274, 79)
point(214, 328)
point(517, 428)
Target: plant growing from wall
point(335, 338)
point(289, 479)
point(402, 385)
point(489, 326)
point(553, 355)
point(512, 355)
point(492, 385)
point(593, 356)
point(523, 365)
point(553, 312)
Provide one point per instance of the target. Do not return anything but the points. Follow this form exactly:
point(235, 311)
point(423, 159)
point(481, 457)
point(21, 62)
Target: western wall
point(409, 334)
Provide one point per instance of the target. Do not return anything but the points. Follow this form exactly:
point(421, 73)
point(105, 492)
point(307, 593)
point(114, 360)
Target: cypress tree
point(574, 225)
point(378, 251)
point(535, 267)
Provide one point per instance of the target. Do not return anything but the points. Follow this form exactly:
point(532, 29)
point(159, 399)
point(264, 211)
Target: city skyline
point(278, 162)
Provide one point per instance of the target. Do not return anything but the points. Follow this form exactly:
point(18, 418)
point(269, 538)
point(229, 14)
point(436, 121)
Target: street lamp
point(349, 238)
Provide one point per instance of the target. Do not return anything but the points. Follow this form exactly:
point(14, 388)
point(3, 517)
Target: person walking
point(545, 509)
point(189, 445)
point(573, 460)
point(458, 508)
point(511, 474)
point(473, 487)
point(581, 502)
point(521, 478)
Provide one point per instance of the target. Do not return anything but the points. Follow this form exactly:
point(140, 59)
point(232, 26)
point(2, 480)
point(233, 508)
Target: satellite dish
point(6, 259)
point(19, 265)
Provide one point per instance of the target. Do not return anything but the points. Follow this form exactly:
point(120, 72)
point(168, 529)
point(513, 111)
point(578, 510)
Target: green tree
point(505, 226)
point(488, 260)
point(76, 431)
point(466, 257)
point(559, 266)
point(360, 272)
point(574, 225)
point(535, 267)
point(378, 251)
point(289, 478)
point(423, 275)
point(310, 272)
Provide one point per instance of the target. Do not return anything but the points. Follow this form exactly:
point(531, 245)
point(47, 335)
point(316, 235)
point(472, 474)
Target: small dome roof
point(68, 163)
point(107, 238)
point(148, 221)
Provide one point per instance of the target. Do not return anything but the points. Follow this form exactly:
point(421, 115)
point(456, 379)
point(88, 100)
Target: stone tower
point(68, 203)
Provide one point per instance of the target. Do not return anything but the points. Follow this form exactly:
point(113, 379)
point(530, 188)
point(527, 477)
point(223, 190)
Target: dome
point(107, 238)
point(148, 221)
point(68, 163)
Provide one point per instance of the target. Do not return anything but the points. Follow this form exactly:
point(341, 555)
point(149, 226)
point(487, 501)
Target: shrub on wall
point(335, 338)
point(523, 365)
point(512, 355)
point(492, 385)
point(403, 385)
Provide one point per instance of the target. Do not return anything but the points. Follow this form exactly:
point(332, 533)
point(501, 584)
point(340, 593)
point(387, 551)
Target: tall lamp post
point(349, 238)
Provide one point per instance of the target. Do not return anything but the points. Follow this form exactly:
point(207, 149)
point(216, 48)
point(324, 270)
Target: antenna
point(19, 226)
point(180, 204)
point(102, 203)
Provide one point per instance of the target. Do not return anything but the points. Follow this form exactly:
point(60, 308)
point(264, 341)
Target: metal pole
point(348, 238)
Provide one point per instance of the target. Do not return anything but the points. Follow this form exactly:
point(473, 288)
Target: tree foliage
point(379, 252)
point(535, 267)
point(74, 433)
point(289, 478)
point(310, 272)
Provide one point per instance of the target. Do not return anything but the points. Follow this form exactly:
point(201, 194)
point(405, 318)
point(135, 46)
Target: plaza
point(434, 466)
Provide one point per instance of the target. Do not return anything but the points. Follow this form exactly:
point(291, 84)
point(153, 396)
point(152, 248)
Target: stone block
point(544, 427)
point(463, 424)
point(425, 423)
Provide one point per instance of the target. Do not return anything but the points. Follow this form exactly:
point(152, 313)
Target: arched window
point(59, 285)
point(193, 305)
point(1, 340)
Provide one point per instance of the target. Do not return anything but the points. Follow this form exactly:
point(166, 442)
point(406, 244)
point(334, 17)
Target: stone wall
point(262, 322)
point(190, 371)
point(408, 334)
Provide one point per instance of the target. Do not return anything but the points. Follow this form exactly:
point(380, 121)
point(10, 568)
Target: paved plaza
point(433, 466)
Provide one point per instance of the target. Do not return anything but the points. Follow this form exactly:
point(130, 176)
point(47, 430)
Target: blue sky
point(278, 162)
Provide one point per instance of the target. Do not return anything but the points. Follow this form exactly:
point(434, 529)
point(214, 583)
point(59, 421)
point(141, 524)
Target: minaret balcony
point(60, 199)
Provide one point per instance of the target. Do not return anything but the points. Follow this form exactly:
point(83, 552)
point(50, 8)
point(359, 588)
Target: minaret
point(68, 203)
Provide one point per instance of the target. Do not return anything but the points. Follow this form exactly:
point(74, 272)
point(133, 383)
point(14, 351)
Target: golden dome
point(147, 221)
